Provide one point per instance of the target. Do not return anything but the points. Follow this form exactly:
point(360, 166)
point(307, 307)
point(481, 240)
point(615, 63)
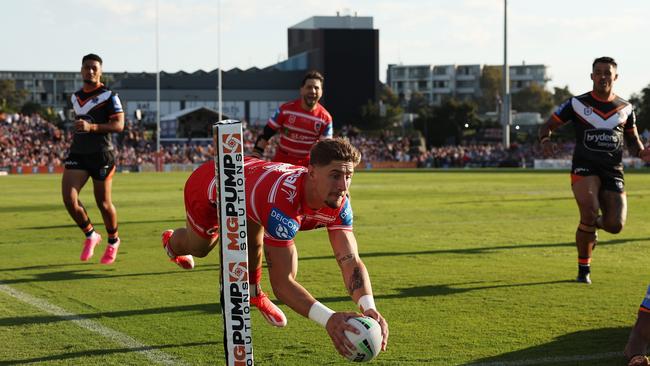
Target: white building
point(436, 82)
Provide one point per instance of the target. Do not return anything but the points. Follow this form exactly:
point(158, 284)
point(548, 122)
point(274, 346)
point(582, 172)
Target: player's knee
point(105, 206)
point(614, 228)
point(200, 251)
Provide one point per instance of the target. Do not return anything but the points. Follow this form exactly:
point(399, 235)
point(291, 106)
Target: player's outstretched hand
point(639, 361)
point(645, 155)
point(336, 326)
point(382, 322)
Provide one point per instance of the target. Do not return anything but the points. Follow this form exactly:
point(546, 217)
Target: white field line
point(122, 339)
point(552, 360)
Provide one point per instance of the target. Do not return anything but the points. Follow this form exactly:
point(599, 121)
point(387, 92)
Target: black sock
point(89, 232)
point(112, 241)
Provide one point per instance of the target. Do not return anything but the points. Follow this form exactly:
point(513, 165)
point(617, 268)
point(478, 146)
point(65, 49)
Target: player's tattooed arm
point(344, 258)
point(356, 281)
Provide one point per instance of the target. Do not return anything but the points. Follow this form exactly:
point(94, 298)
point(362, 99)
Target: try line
point(121, 339)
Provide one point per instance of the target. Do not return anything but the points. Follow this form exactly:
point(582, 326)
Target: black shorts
point(611, 178)
point(99, 165)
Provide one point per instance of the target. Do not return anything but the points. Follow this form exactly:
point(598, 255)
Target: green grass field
point(468, 267)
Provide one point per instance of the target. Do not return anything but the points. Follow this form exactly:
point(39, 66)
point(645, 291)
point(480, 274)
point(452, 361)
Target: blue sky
point(565, 35)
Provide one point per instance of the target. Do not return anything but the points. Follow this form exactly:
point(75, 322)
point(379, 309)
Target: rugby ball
point(367, 342)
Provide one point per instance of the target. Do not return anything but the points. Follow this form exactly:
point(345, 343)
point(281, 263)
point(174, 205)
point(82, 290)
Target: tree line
point(447, 122)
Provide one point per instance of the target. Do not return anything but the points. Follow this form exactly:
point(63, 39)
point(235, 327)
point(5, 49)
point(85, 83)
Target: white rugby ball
point(367, 342)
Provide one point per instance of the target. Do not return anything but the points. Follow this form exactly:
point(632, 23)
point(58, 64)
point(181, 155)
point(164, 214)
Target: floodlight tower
point(158, 155)
point(506, 109)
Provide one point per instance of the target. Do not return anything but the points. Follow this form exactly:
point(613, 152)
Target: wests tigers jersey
point(96, 106)
point(599, 127)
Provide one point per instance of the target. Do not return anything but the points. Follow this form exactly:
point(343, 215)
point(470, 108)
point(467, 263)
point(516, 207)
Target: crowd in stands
point(31, 140)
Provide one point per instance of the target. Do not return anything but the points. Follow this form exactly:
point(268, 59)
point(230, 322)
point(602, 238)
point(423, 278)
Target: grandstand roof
point(188, 111)
point(253, 78)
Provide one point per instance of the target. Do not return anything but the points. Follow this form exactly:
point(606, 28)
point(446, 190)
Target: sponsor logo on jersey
point(291, 195)
point(588, 111)
point(281, 226)
point(317, 126)
point(603, 140)
point(289, 185)
point(346, 214)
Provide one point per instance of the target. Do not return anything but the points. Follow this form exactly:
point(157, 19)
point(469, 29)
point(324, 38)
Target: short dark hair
point(328, 150)
point(92, 56)
point(313, 74)
point(604, 60)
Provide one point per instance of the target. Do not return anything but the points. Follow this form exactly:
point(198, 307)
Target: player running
point(602, 120)
point(301, 122)
point(98, 114)
point(282, 199)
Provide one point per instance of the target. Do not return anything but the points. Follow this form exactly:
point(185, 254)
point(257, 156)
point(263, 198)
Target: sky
point(564, 35)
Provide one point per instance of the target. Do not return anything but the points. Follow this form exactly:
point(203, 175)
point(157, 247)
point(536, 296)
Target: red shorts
point(201, 213)
point(283, 157)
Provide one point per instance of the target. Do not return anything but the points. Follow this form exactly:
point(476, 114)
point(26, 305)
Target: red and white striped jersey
point(276, 199)
point(300, 129)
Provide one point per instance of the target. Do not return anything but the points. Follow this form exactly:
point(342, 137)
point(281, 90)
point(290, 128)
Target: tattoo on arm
point(345, 258)
point(356, 281)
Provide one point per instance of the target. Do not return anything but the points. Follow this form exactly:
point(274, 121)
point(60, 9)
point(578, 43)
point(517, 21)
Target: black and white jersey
point(96, 106)
point(599, 127)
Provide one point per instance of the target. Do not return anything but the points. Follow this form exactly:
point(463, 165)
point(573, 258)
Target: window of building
point(440, 71)
point(422, 85)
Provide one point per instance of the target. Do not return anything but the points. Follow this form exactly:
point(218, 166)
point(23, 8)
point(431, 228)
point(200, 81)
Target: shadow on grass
point(587, 347)
point(481, 250)
point(83, 356)
point(444, 290)
point(122, 223)
point(91, 274)
point(210, 308)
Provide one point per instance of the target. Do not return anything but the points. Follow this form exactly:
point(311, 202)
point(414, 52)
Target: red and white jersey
point(275, 199)
point(300, 129)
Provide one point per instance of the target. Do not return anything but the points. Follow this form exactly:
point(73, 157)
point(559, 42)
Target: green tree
point(30, 108)
point(533, 98)
point(561, 94)
point(11, 99)
point(490, 88)
point(386, 113)
point(641, 103)
point(444, 124)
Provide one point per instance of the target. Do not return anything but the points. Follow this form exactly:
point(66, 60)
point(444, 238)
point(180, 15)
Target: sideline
point(121, 339)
